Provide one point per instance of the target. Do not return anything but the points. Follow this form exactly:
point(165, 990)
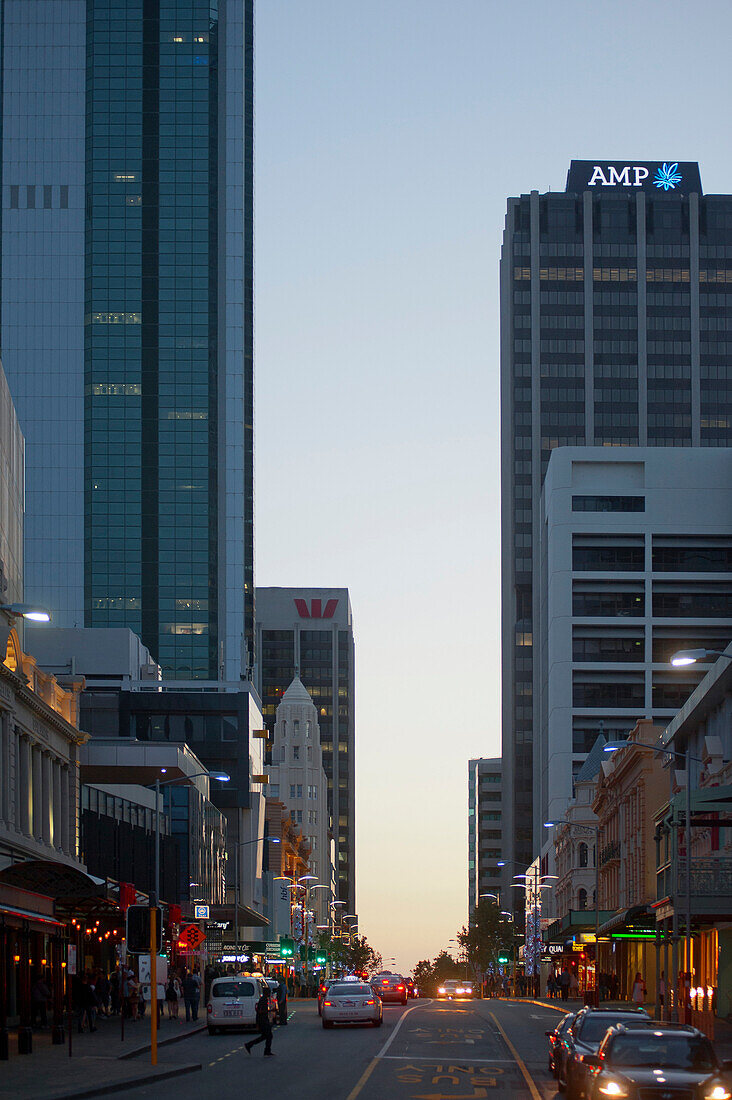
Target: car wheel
point(327, 1023)
point(379, 1022)
point(212, 1030)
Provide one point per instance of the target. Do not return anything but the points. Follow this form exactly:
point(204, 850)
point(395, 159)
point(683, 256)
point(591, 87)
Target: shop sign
point(200, 912)
point(555, 948)
point(71, 960)
point(578, 947)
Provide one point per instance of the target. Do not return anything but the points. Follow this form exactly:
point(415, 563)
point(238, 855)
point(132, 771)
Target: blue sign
point(200, 912)
point(661, 178)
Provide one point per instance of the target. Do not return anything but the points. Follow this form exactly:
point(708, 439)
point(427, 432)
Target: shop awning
point(576, 920)
point(632, 919)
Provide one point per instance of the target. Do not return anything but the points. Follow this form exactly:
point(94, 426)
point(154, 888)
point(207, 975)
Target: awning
point(29, 914)
point(248, 917)
point(629, 920)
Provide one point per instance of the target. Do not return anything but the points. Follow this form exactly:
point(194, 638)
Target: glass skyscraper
point(127, 327)
point(616, 330)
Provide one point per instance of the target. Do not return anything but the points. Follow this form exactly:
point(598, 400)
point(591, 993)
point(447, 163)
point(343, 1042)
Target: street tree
point(488, 936)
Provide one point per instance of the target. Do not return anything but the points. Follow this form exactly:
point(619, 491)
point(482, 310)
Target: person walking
point(564, 980)
point(638, 994)
point(191, 995)
point(265, 1027)
point(662, 990)
point(40, 997)
point(173, 992)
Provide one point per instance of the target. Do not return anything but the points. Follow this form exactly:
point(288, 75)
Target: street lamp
point(29, 611)
point(691, 656)
point(236, 846)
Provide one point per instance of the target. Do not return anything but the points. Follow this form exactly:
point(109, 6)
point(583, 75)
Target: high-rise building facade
point(636, 549)
point(484, 828)
point(127, 277)
point(616, 297)
point(309, 632)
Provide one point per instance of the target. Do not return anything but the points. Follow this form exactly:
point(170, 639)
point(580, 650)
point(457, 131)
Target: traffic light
point(287, 947)
point(137, 929)
point(503, 959)
point(321, 958)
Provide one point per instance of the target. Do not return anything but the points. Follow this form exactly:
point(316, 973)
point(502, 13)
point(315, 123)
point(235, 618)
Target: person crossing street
point(265, 1027)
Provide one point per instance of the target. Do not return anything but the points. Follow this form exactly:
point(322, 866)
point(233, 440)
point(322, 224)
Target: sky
point(389, 134)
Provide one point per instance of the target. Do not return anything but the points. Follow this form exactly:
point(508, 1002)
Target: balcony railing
point(710, 876)
point(610, 852)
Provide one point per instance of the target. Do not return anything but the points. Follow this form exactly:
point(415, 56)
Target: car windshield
point(233, 989)
point(673, 1051)
point(594, 1027)
point(350, 989)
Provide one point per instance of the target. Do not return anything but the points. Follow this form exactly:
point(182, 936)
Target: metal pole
point(597, 918)
point(153, 987)
point(157, 839)
point(236, 900)
point(688, 874)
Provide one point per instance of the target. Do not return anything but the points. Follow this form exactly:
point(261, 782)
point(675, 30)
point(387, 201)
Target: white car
point(455, 989)
point(351, 1003)
point(232, 1002)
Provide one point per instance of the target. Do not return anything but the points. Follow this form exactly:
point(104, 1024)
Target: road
point(477, 1050)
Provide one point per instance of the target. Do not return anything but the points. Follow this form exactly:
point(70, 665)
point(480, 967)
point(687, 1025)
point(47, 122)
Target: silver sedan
point(351, 1003)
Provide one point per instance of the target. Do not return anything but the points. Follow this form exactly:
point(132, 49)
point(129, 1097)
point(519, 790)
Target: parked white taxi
point(351, 1003)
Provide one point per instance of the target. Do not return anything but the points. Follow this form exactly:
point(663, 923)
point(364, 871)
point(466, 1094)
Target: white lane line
point(393, 1035)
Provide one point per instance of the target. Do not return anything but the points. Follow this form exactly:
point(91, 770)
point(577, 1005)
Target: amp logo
point(316, 609)
point(611, 177)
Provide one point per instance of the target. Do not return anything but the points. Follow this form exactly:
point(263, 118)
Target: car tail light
point(400, 987)
point(371, 1002)
point(385, 982)
point(328, 1003)
point(209, 1008)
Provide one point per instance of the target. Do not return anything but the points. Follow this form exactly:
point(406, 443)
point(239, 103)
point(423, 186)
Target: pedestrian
point(564, 981)
point(102, 989)
point(87, 1004)
point(662, 990)
point(191, 995)
point(172, 993)
point(573, 984)
point(638, 994)
point(282, 1003)
point(115, 991)
point(133, 995)
point(264, 1025)
point(40, 996)
point(551, 986)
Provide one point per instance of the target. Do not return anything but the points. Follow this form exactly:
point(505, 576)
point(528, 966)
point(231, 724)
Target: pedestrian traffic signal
point(287, 947)
point(503, 959)
point(137, 929)
point(321, 958)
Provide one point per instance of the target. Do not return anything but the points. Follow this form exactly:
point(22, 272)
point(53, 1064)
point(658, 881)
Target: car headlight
point(441, 989)
point(719, 1092)
point(614, 1088)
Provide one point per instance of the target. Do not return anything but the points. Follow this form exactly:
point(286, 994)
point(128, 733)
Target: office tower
point(484, 828)
point(309, 631)
point(636, 548)
point(615, 295)
point(12, 477)
point(127, 163)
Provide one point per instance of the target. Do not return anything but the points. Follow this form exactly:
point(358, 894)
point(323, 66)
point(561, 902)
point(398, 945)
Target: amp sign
point(667, 177)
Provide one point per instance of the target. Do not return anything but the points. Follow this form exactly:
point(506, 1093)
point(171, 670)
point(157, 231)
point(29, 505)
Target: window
point(296, 725)
point(582, 899)
point(298, 816)
point(292, 790)
point(608, 504)
point(308, 729)
point(47, 197)
point(64, 196)
point(274, 790)
point(14, 190)
point(295, 752)
point(583, 855)
point(31, 196)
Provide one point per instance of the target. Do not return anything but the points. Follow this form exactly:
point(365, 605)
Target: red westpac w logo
point(316, 609)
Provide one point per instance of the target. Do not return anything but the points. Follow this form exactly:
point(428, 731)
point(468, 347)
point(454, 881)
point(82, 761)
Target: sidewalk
point(100, 1062)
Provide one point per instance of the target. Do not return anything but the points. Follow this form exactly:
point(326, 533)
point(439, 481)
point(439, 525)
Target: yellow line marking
point(363, 1079)
point(536, 1095)
point(376, 1059)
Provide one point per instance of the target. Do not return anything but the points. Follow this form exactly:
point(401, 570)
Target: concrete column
point(4, 767)
point(65, 841)
point(56, 804)
point(24, 789)
point(47, 796)
point(37, 802)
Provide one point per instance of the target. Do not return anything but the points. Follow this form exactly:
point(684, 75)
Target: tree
point(428, 975)
point(487, 937)
point(361, 956)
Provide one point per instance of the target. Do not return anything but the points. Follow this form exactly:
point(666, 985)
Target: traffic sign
point(200, 912)
point(191, 937)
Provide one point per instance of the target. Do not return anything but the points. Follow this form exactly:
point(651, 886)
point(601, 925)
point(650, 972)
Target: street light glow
point(27, 611)
point(688, 657)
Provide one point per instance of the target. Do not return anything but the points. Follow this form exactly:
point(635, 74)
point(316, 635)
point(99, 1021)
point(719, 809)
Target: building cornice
point(35, 704)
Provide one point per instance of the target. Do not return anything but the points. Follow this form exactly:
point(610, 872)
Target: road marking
point(535, 1094)
point(423, 1058)
point(357, 1088)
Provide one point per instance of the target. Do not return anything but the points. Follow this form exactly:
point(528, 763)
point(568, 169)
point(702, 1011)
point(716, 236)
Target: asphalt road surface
point(475, 1050)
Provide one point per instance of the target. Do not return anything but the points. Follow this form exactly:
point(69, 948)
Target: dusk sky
point(389, 135)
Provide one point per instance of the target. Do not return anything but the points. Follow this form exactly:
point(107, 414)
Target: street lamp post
point(237, 846)
point(536, 909)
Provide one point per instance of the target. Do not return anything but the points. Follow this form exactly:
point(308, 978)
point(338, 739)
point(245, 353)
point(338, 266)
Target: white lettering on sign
point(615, 178)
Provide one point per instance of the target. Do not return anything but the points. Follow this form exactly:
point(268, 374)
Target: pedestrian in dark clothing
point(265, 1027)
point(40, 996)
point(87, 1004)
point(282, 1003)
point(564, 981)
point(191, 995)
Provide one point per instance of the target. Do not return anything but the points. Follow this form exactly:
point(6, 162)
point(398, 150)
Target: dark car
point(390, 988)
point(411, 988)
point(584, 1037)
point(657, 1062)
point(555, 1038)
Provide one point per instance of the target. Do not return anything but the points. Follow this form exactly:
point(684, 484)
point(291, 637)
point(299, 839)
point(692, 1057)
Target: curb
point(147, 1047)
point(133, 1083)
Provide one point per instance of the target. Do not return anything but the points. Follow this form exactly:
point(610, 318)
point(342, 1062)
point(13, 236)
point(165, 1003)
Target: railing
point(610, 852)
point(710, 876)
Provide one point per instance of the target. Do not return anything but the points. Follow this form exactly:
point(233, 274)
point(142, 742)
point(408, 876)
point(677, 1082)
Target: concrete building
point(12, 497)
point(614, 296)
point(309, 632)
point(297, 778)
point(636, 550)
point(484, 828)
point(127, 315)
